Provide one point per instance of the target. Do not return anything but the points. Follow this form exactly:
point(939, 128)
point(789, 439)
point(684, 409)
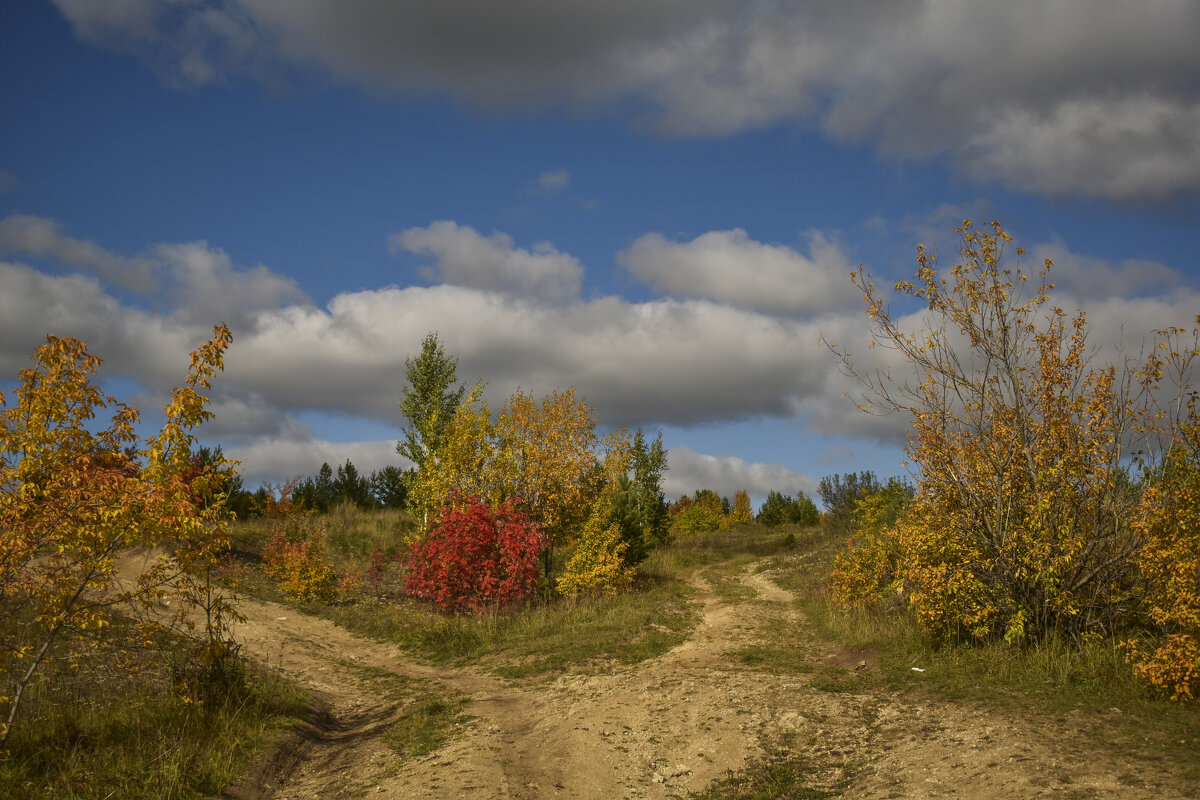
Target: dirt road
point(663, 727)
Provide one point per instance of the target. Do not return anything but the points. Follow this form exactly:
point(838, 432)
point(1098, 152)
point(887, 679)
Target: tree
point(464, 461)
point(540, 456)
point(352, 488)
point(1020, 523)
point(776, 509)
point(649, 465)
point(601, 563)
point(782, 509)
point(429, 400)
point(546, 455)
point(704, 511)
point(840, 495)
point(73, 495)
point(389, 486)
point(741, 507)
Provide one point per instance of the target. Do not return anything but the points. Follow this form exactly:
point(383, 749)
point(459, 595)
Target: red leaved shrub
point(476, 558)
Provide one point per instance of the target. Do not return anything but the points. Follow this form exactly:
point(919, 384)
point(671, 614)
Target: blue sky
point(657, 203)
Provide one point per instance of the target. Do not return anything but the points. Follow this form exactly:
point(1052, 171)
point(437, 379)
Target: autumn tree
point(742, 511)
point(429, 400)
point(601, 563)
point(540, 455)
point(73, 495)
point(465, 460)
point(704, 511)
point(1019, 526)
point(546, 456)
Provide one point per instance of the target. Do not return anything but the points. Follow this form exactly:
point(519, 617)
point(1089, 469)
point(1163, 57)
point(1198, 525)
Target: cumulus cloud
point(208, 288)
point(199, 282)
point(282, 459)
point(1087, 278)
point(1060, 99)
point(465, 258)
point(690, 470)
point(8, 182)
point(661, 362)
point(729, 267)
point(43, 238)
point(554, 181)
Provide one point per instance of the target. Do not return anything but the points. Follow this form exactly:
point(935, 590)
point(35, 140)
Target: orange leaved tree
point(73, 495)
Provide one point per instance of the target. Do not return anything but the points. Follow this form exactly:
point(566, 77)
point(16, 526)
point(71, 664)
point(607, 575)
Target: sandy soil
point(660, 728)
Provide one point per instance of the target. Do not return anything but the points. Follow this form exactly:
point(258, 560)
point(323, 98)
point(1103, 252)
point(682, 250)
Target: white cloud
point(690, 471)
point(554, 181)
point(8, 182)
point(42, 238)
point(199, 281)
point(209, 289)
point(1061, 99)
point(1086, 277)
point(730, 267)
point(1129, 148)
point(282, 459)
point(663, 362)
point(464, 258)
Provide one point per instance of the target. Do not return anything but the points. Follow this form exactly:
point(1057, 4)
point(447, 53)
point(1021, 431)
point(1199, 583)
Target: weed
point(775, 776)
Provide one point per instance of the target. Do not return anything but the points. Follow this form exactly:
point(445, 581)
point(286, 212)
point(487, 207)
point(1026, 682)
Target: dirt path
point(663, 727)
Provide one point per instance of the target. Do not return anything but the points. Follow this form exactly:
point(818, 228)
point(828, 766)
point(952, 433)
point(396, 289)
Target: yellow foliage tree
point(598, 567)
point(73, 497)
point(547, 454)
point(1019, 526)
point(742, 510)
point(543, 453)
point(465, 459)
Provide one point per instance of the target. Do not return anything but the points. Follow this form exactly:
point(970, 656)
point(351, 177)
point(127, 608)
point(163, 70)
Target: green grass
point(723, 578)
point(544, 638)
point(96, 732)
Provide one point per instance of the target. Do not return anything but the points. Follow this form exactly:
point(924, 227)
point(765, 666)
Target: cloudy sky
point(655, 202)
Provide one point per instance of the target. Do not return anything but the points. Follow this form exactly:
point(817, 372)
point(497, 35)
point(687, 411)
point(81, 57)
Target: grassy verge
point(427, 718)
point(544, 638)
point(93, 731)
point(1049, 680)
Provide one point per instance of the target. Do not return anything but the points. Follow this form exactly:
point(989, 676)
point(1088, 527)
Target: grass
point(427, 718)
point(778, 775)
point(545, 638)
point(96, 732)
point(1051, 679)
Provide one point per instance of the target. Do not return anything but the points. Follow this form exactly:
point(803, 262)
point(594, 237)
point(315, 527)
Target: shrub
point(1025, 522)
point(597, 566)
point(476, 558)
point(298, 563)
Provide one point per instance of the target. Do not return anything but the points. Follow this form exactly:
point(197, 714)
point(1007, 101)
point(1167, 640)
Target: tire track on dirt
point(665, 726)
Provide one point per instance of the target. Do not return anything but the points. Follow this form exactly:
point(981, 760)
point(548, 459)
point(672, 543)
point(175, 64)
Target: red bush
point(476, 558)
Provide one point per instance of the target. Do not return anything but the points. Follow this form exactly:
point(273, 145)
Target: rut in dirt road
point(661, 728)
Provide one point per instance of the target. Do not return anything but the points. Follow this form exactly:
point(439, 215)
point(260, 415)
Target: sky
point(658, 203)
